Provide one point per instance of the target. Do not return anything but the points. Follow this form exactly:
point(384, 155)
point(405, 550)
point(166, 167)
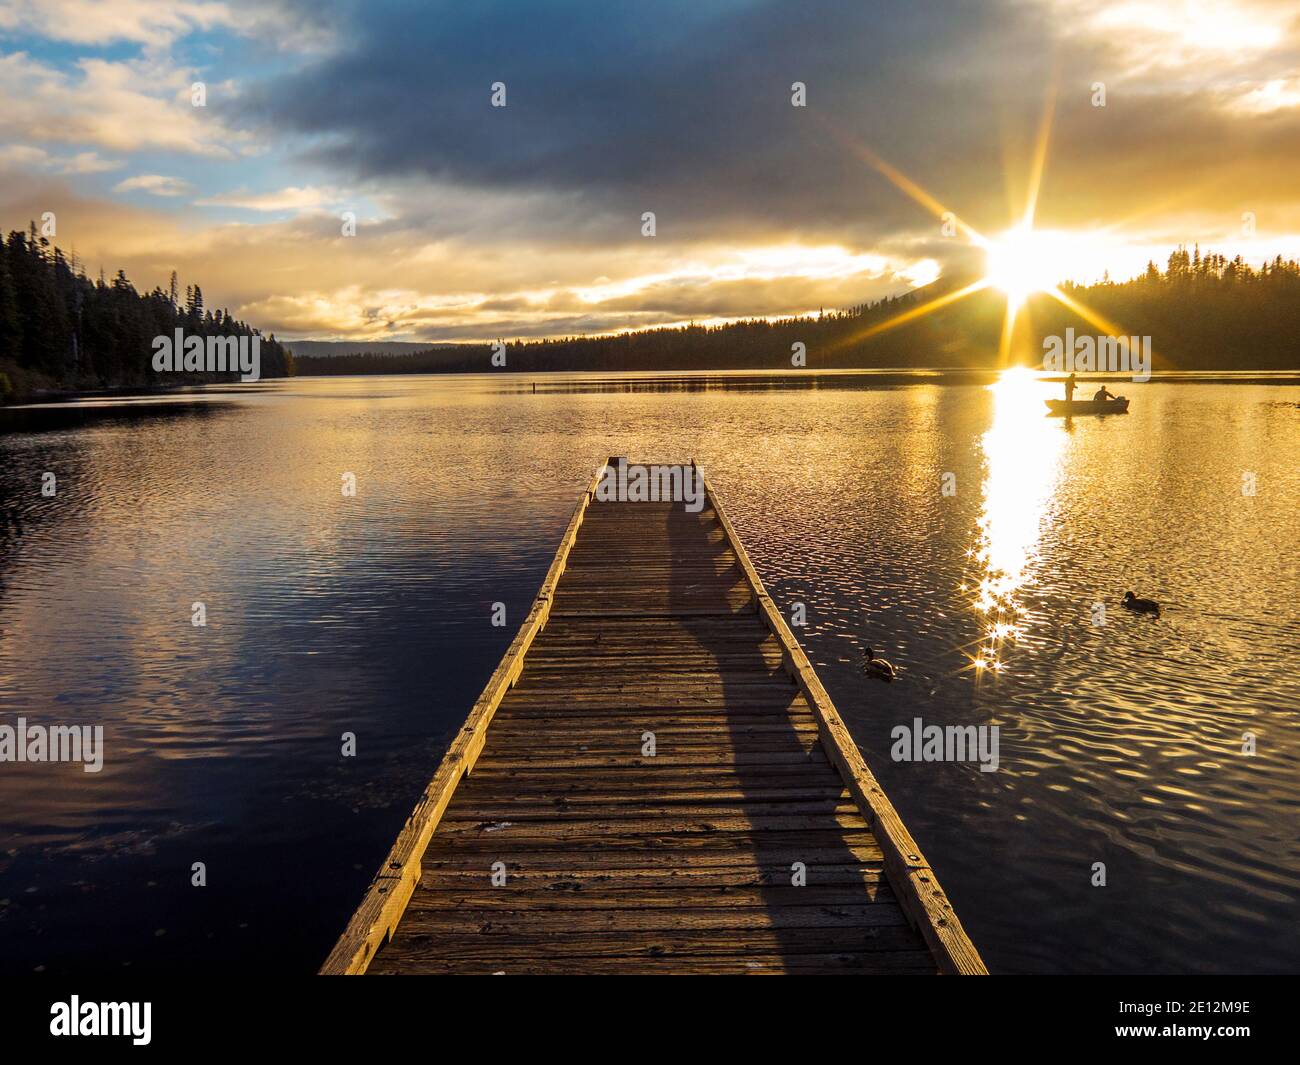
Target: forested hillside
point(61, 330)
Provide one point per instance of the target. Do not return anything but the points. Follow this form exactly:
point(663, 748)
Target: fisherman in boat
point(1101, 395)
point(1069, 389)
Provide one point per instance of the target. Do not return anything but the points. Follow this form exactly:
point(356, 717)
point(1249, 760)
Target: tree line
point(59, 330)
point(1203, 312)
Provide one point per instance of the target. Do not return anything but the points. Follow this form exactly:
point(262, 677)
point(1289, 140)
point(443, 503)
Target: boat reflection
point(1022, 460)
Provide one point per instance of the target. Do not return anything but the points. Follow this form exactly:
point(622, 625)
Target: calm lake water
point(1120, 743)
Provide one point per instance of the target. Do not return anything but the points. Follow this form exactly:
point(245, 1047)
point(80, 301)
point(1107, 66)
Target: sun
point(1019, 263)
point(1024, 260)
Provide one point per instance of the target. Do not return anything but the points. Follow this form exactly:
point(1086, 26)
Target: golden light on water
point(1022, 457)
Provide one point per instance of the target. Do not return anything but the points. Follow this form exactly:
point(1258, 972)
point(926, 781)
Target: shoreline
point(790, 378)
point(56, 396)
point(59, 395)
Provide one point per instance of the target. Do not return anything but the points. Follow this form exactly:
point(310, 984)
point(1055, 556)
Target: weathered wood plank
point(531, 896)
point(815, 856)
point(534, 830)
point(754, 952)
point(585, 793)
point(538, 876)
point(524, 809)
point(649, 773)
point(690, 724)
point(510, 923)
point(736, 754)
point(744, 872)
point(603, 842)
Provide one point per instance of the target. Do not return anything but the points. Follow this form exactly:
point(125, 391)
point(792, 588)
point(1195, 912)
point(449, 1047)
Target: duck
point(1142, 606)
point(879, 667)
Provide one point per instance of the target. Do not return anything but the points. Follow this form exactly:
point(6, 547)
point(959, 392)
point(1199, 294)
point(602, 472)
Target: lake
point(950, 525)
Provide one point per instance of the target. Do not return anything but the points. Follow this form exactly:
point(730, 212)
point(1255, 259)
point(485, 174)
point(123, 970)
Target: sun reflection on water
point(1022, 451)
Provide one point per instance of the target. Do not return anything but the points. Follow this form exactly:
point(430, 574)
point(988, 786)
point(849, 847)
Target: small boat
point(1063, 408)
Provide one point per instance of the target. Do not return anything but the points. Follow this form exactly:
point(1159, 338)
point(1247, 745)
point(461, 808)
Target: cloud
point(121, 106)
point(292, 198)
point(684, 109)
point(96, 22)
point(32, 158)
point(679, 108)
point(154, 184)
point(300, 277)
point(1209, 35)
point(285, 25)
point(1275, 95)
point(703, 284)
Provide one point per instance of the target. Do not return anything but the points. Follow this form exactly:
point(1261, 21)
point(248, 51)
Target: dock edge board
point(914, 882)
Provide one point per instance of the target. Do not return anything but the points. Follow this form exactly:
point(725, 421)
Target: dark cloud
point(683, 109)
point(679, 108)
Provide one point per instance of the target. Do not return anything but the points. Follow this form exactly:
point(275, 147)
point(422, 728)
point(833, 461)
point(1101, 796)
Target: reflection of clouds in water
point(1022, 454)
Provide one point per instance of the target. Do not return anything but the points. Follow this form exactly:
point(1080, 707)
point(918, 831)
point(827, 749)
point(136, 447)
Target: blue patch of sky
point(62, 55)
point(217, 57)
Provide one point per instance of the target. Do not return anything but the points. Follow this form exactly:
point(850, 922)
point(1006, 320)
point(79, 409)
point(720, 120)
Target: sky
point(1166, 122)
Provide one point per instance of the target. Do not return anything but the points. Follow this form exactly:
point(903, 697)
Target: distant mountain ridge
point(325, 349)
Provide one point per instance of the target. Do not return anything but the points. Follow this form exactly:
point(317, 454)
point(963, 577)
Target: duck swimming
point(1142, 606)
point(879, 667)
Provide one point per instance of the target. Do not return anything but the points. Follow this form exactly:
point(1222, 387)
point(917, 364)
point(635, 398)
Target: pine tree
point(194, 306)
point(11, 329)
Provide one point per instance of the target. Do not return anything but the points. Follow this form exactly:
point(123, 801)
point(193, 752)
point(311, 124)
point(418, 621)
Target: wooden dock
point(750, 838)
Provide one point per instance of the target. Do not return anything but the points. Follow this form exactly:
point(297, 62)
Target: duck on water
point(1141, 606)
point(879, 668)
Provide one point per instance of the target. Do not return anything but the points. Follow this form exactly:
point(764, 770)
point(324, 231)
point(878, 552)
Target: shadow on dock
point(816, 869)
